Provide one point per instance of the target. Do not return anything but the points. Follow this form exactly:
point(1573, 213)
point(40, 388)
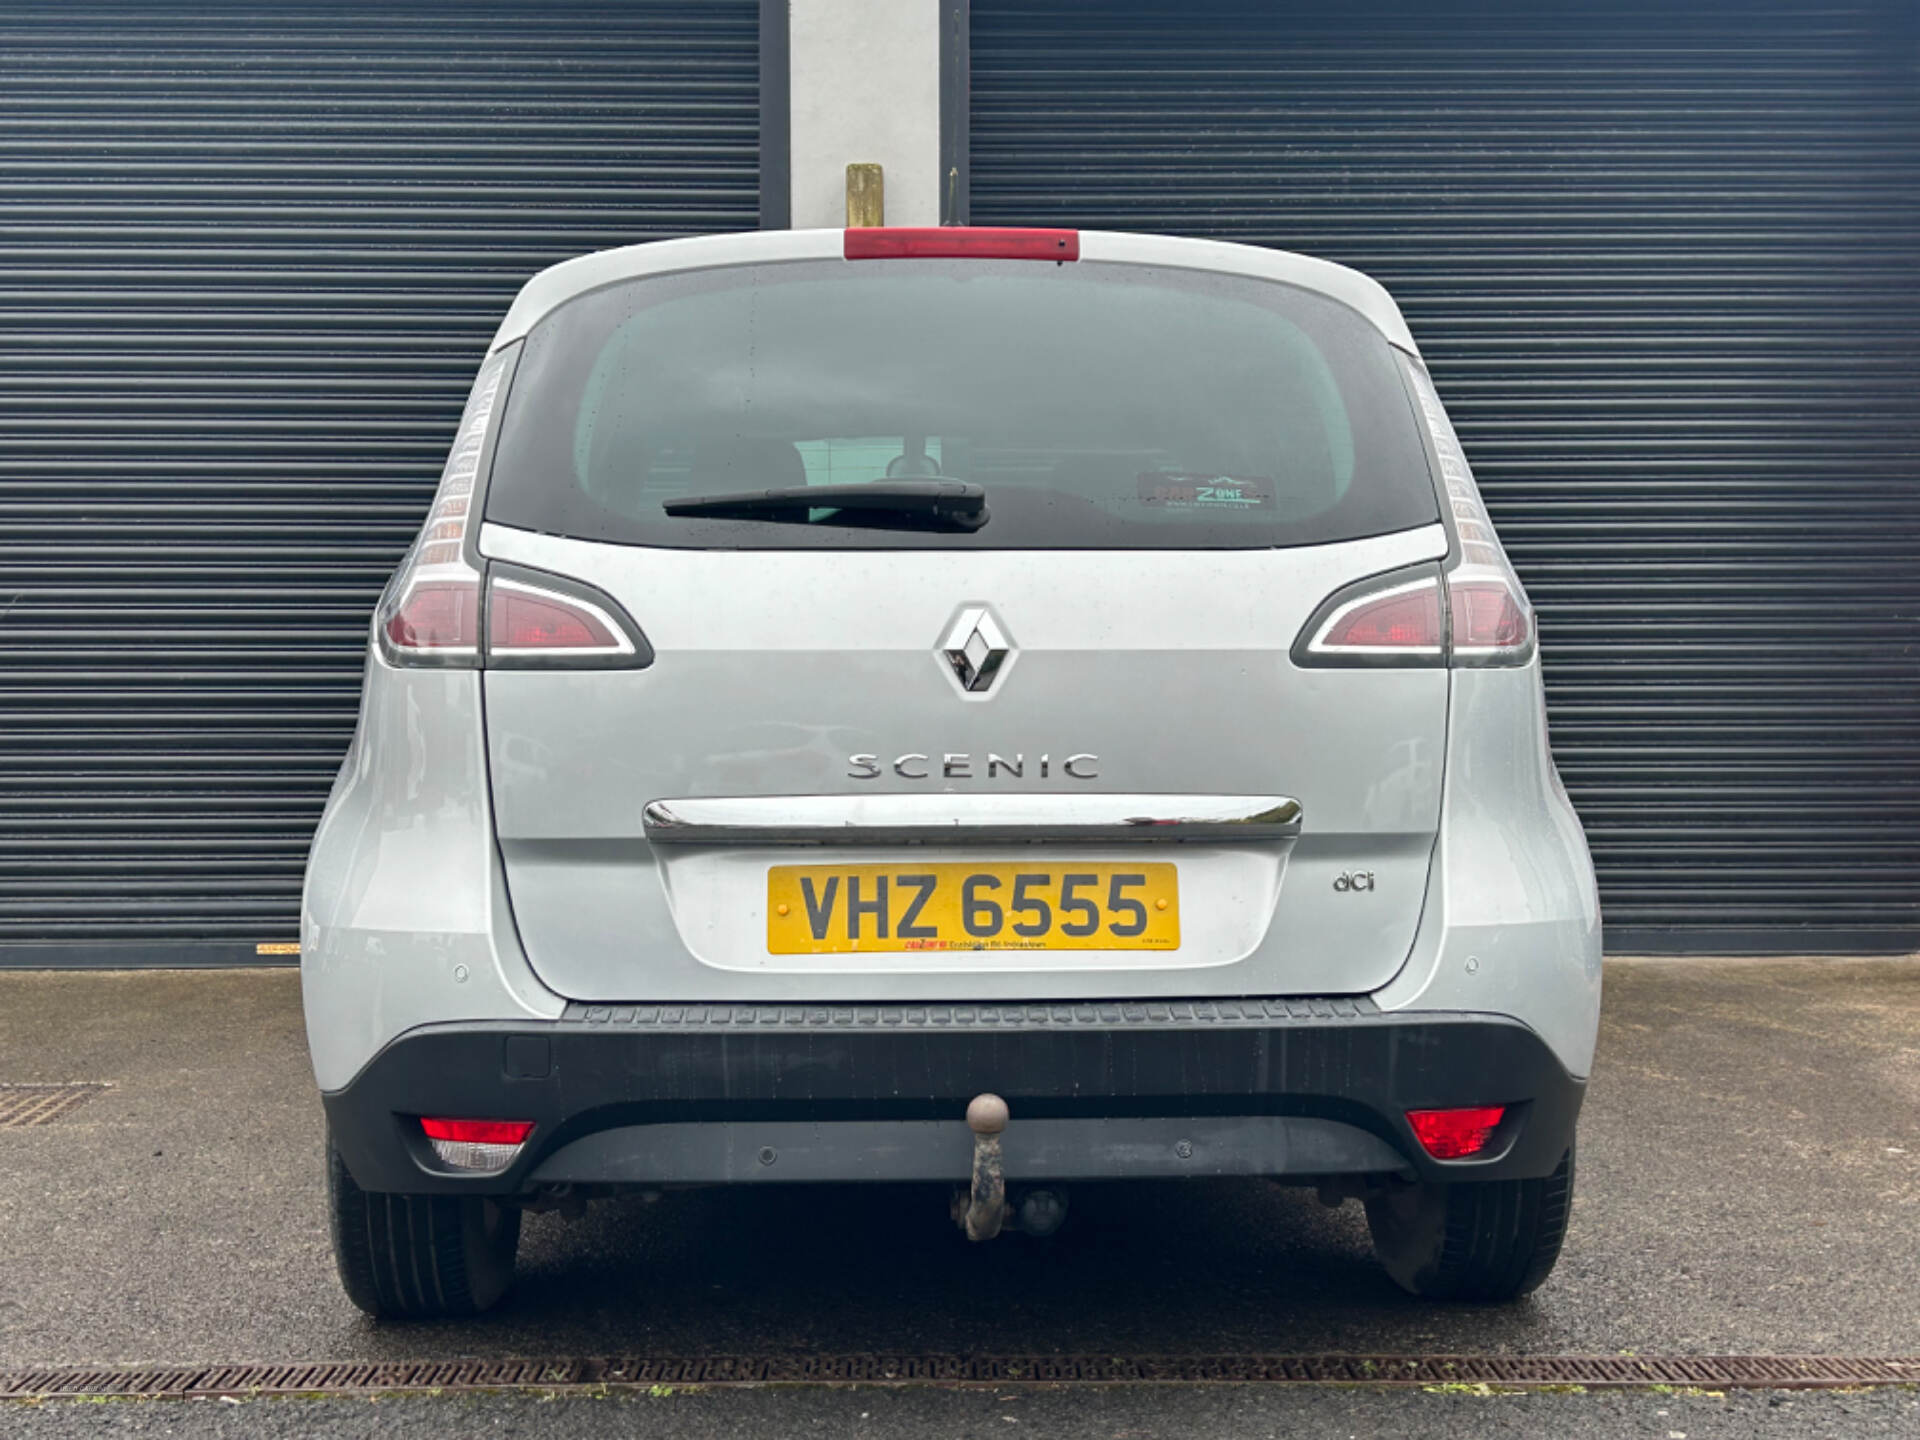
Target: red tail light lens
point(1405, 623)
point(1402, 622)
point(1456, 1134)
point(523, 618)
point(961, 242)
point(1404, 619)
point(479, 1132)
point(1488, 619)
point(1492, 621)
point(476, 1144)
point(430, 614)
point(531, 624)
point(436, 615)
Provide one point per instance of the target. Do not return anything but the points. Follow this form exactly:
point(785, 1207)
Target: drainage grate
point(1709, 1372)
point(24, 1105)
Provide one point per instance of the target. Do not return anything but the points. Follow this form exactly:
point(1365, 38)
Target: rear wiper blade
point(947, 504)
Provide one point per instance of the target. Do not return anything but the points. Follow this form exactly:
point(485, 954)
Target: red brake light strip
point(961, 242)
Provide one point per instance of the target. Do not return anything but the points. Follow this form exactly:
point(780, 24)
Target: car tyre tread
point(418, 1257)
point(1485, 1241)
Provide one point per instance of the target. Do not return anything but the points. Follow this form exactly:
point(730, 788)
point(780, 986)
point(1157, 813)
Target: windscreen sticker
point(1190, 490)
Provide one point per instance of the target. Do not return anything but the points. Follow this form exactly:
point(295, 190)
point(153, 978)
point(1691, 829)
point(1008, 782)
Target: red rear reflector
point(437, 615)
point(527, 620)
point(478, 1132)
point(961, 242)
point(1455, 1134)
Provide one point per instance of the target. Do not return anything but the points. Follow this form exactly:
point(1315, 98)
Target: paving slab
point(1750, 1183)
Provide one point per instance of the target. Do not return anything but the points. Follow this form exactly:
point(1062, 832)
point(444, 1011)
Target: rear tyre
point(419, 1257)
point(1485, 1240)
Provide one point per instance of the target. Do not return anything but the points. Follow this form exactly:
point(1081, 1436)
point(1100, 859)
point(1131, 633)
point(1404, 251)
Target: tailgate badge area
point(977, 649)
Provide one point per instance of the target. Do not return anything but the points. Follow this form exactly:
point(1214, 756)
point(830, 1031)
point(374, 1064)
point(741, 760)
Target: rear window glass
point(1102, 406)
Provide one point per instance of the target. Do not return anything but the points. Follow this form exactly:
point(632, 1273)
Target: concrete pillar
point(864, 88)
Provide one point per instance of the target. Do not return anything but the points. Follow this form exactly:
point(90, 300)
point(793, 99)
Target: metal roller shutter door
point(1663, 263)
point(252, 257)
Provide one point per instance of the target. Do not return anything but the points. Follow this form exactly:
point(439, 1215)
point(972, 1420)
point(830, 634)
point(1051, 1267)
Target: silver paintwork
point(1510, 924)
point(968, 819)
point(1483, 895)
point(753, 694)
point(404, 920)
point(562, 282)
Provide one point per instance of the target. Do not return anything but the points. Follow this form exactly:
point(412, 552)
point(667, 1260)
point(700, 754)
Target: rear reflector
point(1456, 1134)
point(476, 1144)
point(961, 242)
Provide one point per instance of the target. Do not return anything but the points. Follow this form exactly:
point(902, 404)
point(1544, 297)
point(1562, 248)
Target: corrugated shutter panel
point(252, 256)
point(1663, 263)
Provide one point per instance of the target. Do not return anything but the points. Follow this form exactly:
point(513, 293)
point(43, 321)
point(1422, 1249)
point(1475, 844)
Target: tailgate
point(804, 738)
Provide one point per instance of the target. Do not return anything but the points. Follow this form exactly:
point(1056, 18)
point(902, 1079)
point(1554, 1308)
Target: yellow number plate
point(833, 909)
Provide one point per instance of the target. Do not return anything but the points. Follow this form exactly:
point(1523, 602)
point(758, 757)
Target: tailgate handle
point(968, 819)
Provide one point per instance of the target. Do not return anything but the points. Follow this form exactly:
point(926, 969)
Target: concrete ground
point(1750, 1183)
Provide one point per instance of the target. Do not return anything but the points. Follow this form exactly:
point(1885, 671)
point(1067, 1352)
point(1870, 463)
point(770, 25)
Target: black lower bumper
point(600, 1081)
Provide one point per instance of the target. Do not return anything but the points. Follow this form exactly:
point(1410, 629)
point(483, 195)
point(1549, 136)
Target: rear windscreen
point(1102, 406)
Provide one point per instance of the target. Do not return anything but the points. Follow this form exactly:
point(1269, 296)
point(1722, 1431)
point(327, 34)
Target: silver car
point(1002, 707)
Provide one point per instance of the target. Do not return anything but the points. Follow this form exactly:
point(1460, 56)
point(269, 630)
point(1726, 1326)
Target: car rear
point(842, 676)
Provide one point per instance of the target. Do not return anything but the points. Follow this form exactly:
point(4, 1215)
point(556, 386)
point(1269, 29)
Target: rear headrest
point(746, 462)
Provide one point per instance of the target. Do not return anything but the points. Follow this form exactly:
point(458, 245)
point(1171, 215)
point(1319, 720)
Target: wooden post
point(866, 196)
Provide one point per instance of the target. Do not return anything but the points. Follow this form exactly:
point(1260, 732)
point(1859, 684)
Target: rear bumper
point(638, 1095)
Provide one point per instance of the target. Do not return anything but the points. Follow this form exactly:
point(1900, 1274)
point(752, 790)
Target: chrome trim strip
point(968, 819)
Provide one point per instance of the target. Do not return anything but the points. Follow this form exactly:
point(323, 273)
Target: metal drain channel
point(1705, 1372)
point(25, 1105)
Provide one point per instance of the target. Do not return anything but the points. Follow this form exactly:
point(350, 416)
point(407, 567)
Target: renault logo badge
point(976, 648)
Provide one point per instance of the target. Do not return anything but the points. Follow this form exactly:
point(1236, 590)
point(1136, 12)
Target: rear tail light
point(961, 242)
point(1402, 623)
point(537, 621)
point(476, 1144)
point(1488, 619)
point(1456, 1134)
point(439, 616)
point(1492, 622)
point(430, 614)
point(1403, 618)
point(531, 622)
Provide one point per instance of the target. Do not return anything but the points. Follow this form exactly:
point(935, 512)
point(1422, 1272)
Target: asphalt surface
point(1750, 1183)
point(1216, 1413)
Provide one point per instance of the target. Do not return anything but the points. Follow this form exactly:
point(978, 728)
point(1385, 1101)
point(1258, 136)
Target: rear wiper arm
point(945, 504)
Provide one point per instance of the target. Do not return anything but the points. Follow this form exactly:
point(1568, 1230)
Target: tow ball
point(983, 1211)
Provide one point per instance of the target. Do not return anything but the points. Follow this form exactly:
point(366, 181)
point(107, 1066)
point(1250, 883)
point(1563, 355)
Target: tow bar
point(983, 1211)
point(986, 1208)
